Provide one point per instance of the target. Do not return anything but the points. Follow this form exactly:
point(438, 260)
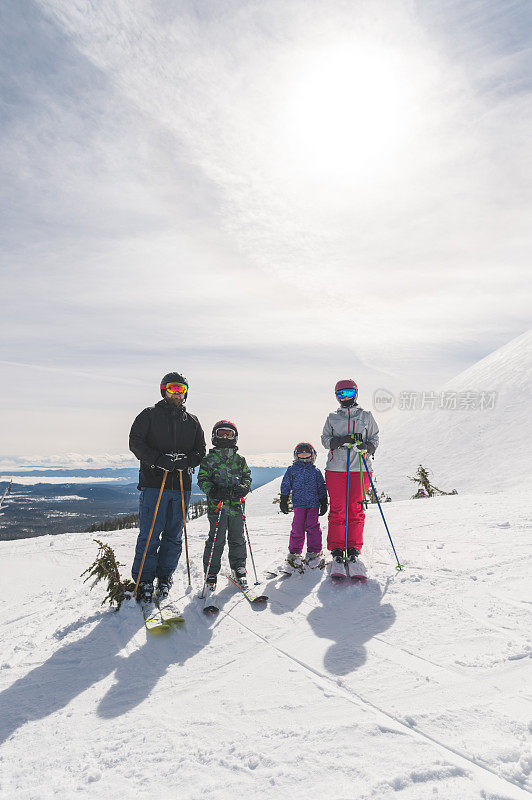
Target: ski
point(356, 571)
point(280, 573)
point(169, 612)
point(338, 571)
point(153, 619)
point(252, 598)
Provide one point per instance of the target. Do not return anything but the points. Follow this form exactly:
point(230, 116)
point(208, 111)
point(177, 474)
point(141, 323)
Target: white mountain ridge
point(470, 450)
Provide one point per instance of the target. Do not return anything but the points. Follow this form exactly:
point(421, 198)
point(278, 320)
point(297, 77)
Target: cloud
point(251, 190)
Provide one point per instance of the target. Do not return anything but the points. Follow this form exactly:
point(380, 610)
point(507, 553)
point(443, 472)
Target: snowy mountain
point(414, 686)
point(481, 441)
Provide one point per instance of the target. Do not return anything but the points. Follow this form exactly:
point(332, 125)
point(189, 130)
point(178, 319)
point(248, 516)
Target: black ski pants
point(232, 529)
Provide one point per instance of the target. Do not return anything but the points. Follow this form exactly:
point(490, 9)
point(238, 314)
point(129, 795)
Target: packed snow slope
point(415, 685)
point(468, 448)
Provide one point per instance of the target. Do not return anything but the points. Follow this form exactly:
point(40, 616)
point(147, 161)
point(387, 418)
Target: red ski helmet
point(347, 383)
point(305, 447)
point(224, 441)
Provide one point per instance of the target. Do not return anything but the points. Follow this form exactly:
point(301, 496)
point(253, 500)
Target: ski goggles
point(304, 456)
point(346, 394)
point(174, 388)
point(225, 433)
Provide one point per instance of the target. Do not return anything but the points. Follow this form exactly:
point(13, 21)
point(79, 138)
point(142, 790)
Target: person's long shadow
point(69, 671)
point(78, 665)
point(286, 594)
point(137, 674)
point(350, 615)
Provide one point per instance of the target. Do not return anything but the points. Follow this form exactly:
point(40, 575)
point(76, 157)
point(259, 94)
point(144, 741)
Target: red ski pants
point(337, 487)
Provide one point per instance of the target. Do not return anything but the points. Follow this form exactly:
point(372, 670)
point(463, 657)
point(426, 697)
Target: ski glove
point(339, 441)
point(283, 504)
point(239, 491)
point(220, 493)
point(180, 461)
point(166, 461)
point(324, 505)
point(370, 448)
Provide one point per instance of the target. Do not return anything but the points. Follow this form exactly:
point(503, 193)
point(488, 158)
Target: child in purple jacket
point(309, 498)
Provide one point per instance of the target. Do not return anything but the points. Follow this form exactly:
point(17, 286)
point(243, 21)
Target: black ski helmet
point(222, 442)
point(173, 377)
point(305, 447)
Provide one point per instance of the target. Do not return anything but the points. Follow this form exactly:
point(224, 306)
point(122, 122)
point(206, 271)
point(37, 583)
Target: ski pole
point(218, 508)
point(347, 497)
point(257, 582)
point(184, 522)
point(151, 531)
point(399, 565)
point(362, 487)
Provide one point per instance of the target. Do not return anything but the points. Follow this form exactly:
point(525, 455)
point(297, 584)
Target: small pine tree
point(424, 483)
point(277, 500)
point(106, 567)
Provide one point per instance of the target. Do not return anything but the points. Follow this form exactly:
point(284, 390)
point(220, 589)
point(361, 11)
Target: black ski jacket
point(166, 429)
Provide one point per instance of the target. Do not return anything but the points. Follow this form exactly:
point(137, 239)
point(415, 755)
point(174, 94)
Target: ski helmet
point(224, 434)
point(305, 452)
point(173, 377)
point(348, 383)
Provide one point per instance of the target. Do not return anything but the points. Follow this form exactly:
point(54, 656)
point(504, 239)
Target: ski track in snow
point(415, 685)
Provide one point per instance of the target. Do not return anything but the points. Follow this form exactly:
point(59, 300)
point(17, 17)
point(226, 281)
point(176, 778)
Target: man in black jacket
point(164, 437)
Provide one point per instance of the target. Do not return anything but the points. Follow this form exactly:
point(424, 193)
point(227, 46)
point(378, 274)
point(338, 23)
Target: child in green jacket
point(225, 477)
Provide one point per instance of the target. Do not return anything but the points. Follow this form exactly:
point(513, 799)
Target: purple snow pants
point(305, 521)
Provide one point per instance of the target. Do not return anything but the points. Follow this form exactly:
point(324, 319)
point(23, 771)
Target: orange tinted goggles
point(175, 388)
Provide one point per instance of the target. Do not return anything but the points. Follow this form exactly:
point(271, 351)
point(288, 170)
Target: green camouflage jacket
point(223, 466)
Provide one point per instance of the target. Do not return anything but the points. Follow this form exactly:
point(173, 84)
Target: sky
point(265, 197)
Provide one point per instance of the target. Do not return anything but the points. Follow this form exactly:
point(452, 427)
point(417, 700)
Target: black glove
point(166, 461)
point(180, 461)
point(239, 491)
point(324, 505)
point(220, 493)
point(339, 441)
point(370, 448)
point(283, 504)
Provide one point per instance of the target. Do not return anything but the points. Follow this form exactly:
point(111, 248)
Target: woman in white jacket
point(349, 425)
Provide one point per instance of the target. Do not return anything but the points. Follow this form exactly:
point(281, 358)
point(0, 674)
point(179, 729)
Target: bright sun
point(349, 110)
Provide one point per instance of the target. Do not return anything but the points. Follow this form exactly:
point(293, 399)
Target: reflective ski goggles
point(345, 394)
point(174, 388)
point(304, 456)
point(225, 433)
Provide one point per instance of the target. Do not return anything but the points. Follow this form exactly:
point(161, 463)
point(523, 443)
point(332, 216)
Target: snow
point(414, 686)
point(467, 449)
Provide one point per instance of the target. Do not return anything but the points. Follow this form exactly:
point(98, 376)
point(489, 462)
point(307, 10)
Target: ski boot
point(239, 574)
point(338, 566)
point(163, 587)
point(294, 562)
point(145, 592)
point(211, 582)
point(315, 560)
point(355, 568)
